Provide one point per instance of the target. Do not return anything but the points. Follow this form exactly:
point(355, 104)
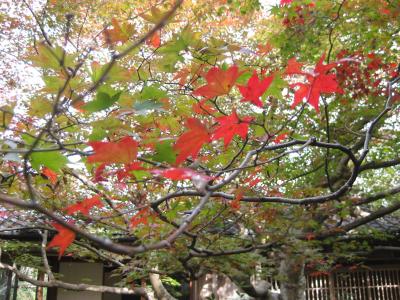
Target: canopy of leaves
point(208, 131)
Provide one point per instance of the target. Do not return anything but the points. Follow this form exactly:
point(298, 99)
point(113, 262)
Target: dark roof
point(389, 223)
point(17, 224)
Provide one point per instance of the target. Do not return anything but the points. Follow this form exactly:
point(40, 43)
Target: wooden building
point(377, 277)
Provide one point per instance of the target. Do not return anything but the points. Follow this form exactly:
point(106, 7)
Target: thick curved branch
point(75, 287)
point(363, 143)
point(106, 243)
point(359, 222)
point(330, 233)
point(380, 164)
point(378, 196)
point(158, 287)
point(199, 252)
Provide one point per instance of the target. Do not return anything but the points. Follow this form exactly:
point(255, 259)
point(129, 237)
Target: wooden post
point(193, 288)
point(331, 285)
point(39, 289)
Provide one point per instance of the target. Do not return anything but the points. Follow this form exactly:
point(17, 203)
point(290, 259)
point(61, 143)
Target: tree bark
point(159, 290)
point(293, 282)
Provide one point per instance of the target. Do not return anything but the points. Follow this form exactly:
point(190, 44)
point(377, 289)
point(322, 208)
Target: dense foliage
point(199, 136)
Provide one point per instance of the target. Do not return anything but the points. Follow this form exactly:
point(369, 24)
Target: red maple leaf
point(229, 126)
point(318, 82)
point(99, 172)
point(124, 151)
point(140, 217)
point(128, 168)
point(50, 174)
point(284, 2)
point(84, 206)
point(219, 82)
point(280, 138)
point(255, 89)
point(62, 239)
point(190, 142)
point(252, 180)
point(180, 174)
point(125, 172)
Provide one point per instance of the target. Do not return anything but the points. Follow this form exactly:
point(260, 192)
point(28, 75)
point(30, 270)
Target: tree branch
point(75, 287)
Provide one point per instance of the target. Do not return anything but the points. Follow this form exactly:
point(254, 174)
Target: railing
point(361, 284)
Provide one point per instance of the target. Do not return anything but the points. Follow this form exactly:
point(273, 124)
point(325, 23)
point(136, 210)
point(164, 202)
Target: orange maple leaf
point(202, 108)
point(50, 174)
point(155, 40)
point(124, 151)
point(193, 72)
point(119, 33)
point(264, 49)
point(235, 203)
point(219, 82)
point(62, 239)
point(182, 75)
point(85, 205)
point(293, 67)
point(190, 142)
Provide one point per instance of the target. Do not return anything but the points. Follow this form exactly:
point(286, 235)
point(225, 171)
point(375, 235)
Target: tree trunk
point(159, 290)
point(293, 282)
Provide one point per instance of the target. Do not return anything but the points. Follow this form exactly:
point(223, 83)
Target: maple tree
point(222, 136)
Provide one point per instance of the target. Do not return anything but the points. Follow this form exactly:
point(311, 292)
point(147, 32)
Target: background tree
point(181, 138)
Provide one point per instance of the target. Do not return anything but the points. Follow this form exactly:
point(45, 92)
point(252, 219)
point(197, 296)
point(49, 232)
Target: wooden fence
point(378, 283)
